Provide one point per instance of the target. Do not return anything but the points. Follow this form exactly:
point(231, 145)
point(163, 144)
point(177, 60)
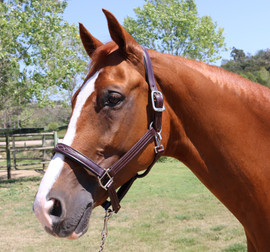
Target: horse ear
point(90, 43)
point(119, 35)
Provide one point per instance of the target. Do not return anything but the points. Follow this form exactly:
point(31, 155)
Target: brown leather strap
point(79, 158)
point(114, 197)
point(156, 96)
point(116, 168)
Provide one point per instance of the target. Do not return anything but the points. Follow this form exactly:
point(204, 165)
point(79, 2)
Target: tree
point(173, 26)
point(238, 55)
point(40, 53)
point(255, 68)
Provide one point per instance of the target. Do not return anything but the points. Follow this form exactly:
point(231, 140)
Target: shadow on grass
point(20, 180)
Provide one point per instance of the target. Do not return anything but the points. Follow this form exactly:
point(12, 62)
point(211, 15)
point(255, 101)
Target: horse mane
point(224, 78)
point(249, 91)
point(217, 74)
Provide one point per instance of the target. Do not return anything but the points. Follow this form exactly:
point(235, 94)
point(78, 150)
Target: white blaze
point(42, 205)
point(86, 91)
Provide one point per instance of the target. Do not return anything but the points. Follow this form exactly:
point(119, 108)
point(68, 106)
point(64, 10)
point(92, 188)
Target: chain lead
point(104, 233)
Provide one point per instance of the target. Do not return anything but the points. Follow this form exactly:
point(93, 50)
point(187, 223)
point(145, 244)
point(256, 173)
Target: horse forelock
point(99, 57)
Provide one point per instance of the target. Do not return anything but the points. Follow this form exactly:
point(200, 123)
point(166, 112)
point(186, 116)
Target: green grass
point(61, 133)
point(169, 210)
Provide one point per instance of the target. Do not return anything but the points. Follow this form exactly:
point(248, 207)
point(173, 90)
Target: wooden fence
point(31, 150)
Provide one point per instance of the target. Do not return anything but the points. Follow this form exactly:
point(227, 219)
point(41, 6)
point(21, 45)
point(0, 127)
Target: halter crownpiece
point(108, 177)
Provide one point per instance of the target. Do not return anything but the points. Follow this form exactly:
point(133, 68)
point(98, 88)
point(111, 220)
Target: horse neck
point(193, 99)
point(216, 119)
point(207, 106)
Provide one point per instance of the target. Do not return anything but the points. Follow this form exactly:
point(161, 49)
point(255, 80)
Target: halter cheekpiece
point(108, 177)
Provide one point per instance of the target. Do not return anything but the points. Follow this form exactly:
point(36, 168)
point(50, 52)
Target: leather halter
point(108, 177)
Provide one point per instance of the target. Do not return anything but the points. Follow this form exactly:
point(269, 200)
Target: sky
point(246, 23)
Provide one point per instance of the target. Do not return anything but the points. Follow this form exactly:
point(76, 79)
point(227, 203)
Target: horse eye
point(114, 99)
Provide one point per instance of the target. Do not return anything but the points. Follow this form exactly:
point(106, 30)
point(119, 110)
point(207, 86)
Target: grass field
point(169, 210)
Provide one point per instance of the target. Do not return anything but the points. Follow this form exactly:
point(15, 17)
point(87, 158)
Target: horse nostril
point(56, 209)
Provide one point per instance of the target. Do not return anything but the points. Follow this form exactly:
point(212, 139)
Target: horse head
point(110, 113)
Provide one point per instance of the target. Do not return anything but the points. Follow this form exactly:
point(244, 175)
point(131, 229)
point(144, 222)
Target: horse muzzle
point(62, 216)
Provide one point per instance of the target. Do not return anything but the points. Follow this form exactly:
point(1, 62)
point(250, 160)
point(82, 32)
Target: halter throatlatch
point(108, 177)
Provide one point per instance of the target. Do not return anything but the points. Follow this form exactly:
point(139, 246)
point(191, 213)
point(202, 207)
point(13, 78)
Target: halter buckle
point(158, 147)
point(153, 94)
point(109, 181)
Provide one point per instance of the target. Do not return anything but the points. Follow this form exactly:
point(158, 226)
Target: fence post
point(43, 152)
point(55, 137)
point(8, 157)
point(14, 152)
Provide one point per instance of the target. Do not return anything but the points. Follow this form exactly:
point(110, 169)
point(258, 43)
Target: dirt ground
point(15, 174)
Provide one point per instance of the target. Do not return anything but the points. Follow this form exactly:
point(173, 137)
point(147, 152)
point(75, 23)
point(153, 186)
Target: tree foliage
point(256, 68)
point(39, 52)
point(173, 26)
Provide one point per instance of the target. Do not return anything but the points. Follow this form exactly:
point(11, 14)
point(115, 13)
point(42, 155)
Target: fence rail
point(26, 150)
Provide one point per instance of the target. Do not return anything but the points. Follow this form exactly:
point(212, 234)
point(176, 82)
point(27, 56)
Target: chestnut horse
point(215, 122)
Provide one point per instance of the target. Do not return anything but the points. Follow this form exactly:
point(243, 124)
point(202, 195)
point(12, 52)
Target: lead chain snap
point(104, 233)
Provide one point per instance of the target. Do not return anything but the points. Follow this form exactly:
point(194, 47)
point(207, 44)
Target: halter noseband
point(108, 177)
